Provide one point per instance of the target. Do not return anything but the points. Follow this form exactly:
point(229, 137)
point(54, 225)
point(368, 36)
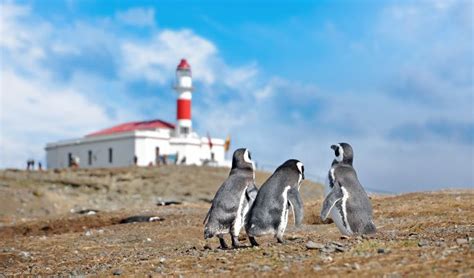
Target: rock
point(422, 243)
point(88, 233)
point(344, 237)
point(380, 251)
point(207, 247)
point(117, 272)
point(327, 259)
point(162, 260)
point(341, 249)
point(313, 245)
point(266, 268)
point(253, 265)
point(355, 266)
point(25, 255)
point(328, 249)
point(462, 241)
point(337, 243)
point(317, 267)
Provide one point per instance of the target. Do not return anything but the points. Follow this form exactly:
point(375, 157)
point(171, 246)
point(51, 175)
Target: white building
point(143, 143)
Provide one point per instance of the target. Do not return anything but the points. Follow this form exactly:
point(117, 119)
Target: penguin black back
point(269, 213)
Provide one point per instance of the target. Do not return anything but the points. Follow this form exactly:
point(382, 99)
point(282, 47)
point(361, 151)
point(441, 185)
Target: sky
point(285, 79)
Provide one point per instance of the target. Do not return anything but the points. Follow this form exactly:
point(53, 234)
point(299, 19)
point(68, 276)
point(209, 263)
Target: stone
point(313, 245)
point(337, 243)
point(422, 243)
point(327, 259)
point(462, 241)
point(117, 272)
point(328, 249)
point(266, 268)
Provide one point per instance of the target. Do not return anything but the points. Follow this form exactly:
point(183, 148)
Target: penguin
point(232, 201)
point(347, 202)
point(269, 213)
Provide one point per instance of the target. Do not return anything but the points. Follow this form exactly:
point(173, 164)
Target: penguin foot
point(253, 241)
point(223, 244)
point(235, 242)
point(281, 240)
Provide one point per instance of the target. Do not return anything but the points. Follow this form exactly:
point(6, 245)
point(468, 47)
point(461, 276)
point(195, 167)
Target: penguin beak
point(334, 147)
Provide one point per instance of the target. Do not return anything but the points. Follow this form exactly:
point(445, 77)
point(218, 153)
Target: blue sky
point(285, 79)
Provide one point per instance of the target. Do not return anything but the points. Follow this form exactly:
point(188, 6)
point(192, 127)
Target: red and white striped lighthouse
point(183, 87)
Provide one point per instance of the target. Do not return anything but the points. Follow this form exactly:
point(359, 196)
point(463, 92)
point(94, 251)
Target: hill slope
point(419, 234)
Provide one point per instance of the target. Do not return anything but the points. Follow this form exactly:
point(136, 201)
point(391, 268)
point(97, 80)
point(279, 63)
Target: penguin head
point(242, 159)
point(293, 166)
point(343, 153)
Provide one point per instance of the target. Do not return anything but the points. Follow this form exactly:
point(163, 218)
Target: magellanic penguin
point(347, 202)
point(233, 200)
point(269, 213)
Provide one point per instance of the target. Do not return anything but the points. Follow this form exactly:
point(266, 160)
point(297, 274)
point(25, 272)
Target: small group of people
point(30, 165)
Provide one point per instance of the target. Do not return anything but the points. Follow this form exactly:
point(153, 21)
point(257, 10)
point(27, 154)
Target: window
point(184, 130)
point(110, 155)
point(89, 157)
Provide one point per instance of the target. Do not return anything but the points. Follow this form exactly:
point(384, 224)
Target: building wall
point(217, 150)
point(188, 147)
point(145, 147)
point(122, 153)
point(142, 144)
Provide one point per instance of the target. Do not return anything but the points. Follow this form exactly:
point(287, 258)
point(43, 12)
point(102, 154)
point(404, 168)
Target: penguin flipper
point(331, 199)
point(251, 193)
point(207, 217)
point(296, 203)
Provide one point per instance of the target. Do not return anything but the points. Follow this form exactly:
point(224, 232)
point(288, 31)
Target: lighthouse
point(183, 87)
point(146, 142)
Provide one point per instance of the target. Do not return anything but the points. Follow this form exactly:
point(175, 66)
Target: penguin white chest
point(284, 212)
point(339, 214)
point(241, 213)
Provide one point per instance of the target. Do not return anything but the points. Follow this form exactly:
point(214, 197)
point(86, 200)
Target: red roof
point(145, 125)
point(183, 65)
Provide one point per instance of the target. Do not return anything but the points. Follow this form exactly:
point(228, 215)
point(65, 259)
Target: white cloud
point(277, 118)
point(40, 105)
point(34, 113)
point(141, 17)
point(156, 59)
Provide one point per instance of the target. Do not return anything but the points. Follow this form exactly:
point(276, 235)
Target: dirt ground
point(41, 233)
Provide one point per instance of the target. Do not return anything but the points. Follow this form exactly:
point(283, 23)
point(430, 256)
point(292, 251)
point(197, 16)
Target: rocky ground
point(41, 231)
